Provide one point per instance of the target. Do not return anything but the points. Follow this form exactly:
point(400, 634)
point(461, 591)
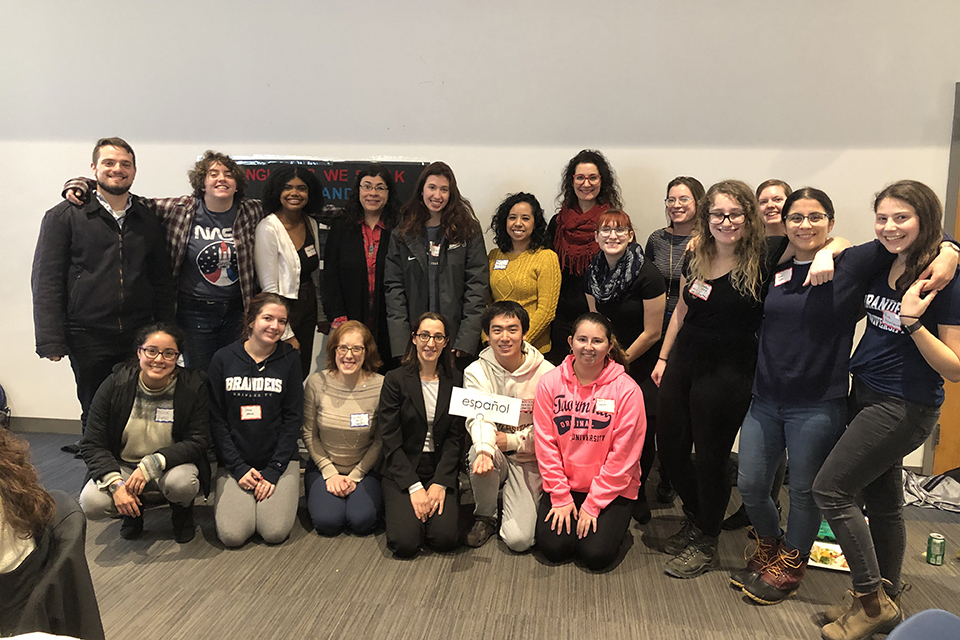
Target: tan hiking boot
point(855, 624)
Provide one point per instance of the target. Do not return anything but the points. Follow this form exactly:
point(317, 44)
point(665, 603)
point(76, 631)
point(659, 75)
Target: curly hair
point(445, 361)
point(198, 174)
point(371, 357)
point(609, 188)
point(256, 305)
point(457, 218)
point(617, 354)
point(353, 210)
point(27, 508)
point(280, 175)
point(499, 223)
point(746, 276)
point(930, 214)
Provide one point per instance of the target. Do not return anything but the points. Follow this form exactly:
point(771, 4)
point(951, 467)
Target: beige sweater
point(329, 408)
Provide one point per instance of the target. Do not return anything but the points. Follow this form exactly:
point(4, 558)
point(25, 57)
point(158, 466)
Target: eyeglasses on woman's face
point(343, 350)
point(581, 178)
point(606, 232)
point(813, 218)
point(152, 353)
point(426, 338)
point(683, 200)
point(379, 188)
point(735, 217)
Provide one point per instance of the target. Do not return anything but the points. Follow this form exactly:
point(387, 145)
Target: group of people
point(738, 315)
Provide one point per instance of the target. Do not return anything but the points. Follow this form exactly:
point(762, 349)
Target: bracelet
point(911, 317)
point(910, 329)
point(662, 358)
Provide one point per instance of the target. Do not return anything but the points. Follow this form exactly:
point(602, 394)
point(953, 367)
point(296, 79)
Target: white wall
point(846, 96)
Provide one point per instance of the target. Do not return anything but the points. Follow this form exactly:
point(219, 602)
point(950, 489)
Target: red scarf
point(575, 239)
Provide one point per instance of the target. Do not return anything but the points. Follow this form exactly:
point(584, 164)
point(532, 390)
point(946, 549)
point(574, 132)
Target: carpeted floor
point(349, 587)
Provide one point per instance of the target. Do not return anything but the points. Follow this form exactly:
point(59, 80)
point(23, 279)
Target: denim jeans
point(868, 461)
point(808, 433)
point(210, 325)
point(359, 512)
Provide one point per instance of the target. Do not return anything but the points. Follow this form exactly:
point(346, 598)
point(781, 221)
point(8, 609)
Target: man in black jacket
point(100, 272)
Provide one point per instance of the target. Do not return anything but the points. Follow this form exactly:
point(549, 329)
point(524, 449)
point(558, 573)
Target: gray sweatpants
point(179, 485)
point(522, 487)
point(238, 514)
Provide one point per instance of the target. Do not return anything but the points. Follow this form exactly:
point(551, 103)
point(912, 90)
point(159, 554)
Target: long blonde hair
point(751, 249)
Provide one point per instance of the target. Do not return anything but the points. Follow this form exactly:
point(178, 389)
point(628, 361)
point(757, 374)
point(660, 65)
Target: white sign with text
point(470, 403)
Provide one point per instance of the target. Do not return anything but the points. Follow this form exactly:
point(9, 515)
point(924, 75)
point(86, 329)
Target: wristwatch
point(910, 329)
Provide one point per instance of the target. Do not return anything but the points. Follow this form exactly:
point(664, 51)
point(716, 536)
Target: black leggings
point(597, 550)
point(704, 395)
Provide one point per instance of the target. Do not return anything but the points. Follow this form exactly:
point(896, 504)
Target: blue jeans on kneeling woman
point(359, 512)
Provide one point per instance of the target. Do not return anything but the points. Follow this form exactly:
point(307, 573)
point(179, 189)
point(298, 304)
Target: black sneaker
point(699, 557)
point(483, 529)
point(679, 541)
point(665, 492)
point(183, 528)
point(131, 527)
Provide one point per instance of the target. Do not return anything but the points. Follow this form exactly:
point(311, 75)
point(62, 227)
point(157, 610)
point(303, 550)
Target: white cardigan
point(277, 262)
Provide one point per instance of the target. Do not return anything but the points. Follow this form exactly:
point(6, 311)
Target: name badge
point(163, 415)
point(605, 405)
point(500, 265)
point(455, 245)
point(250, 412)
point(891, 320)
point(310, 251)
point(359, 419)
point(434, 249)
point(783, 276)
point(700, 289)
point(526, 406)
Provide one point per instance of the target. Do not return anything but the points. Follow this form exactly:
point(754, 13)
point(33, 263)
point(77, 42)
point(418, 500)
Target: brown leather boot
point(779, 579)
point(763, 554)
point(856, 624)
point(834, 611)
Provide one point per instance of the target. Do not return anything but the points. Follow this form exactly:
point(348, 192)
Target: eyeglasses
point(425, 338)
point(153, 352)
point(343, 350)
point(380, 188)
point(735, 217)
point(606, 232)
point(812, 218)
point(684, 200)
point(580, 179)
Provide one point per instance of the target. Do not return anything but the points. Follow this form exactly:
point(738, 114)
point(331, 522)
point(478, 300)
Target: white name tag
point(605, 405)
point(471, 403)
point(526, 406)
point(434, 249)
point(455, 245)
point(359, 419)
point(310, 250)
point(783, 276)
point(700, 289)
point(163, 415)
point(891, 320)
point(500, 265)
point(250, 412)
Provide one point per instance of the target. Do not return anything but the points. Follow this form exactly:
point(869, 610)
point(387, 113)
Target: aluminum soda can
point(936, 547)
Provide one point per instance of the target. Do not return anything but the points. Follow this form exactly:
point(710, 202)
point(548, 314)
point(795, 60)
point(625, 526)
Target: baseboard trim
point(45, 425)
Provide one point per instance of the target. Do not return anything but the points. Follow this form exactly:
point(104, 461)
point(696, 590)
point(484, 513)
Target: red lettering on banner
point(330, 174)
point(398, 176)
point(257, 175)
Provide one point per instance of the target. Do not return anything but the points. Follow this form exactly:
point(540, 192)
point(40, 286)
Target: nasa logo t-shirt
point(209, 268)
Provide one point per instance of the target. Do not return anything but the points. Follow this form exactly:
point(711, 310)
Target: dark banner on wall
point(337, 177)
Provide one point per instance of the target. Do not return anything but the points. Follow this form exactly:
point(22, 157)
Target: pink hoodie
point(600, 454)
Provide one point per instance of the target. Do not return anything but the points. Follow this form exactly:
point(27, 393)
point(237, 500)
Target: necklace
point(674, 276)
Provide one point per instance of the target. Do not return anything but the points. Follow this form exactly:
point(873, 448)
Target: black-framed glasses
point(343, 350)
point(735, 217)
point(152, 352)
point(813, 218)
point(425, 338)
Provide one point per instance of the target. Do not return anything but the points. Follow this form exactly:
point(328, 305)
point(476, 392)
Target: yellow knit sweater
point(531, 279)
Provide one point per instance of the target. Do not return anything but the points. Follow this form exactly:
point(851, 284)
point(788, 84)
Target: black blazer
point(345, 289)
point(403, 422)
